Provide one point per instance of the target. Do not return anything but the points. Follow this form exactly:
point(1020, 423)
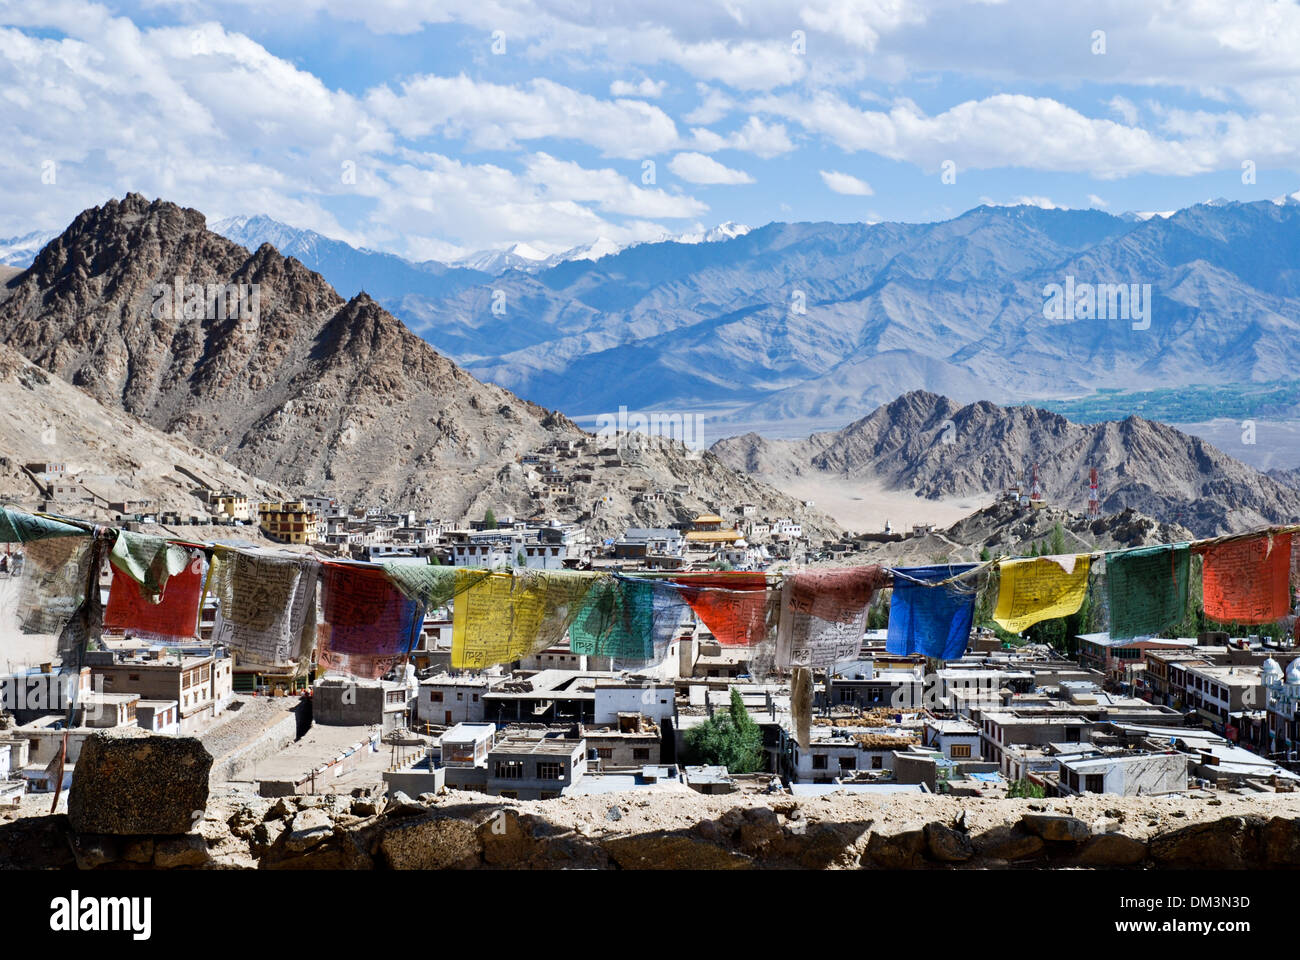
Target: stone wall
point(646, 830)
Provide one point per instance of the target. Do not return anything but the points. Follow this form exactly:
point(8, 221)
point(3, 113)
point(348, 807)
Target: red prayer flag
point(1248, 581)
point(175, 617)
point(732, 605)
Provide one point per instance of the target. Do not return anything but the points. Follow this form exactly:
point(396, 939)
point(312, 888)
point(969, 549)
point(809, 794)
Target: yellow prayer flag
point(502, 617)
point(1040, 588)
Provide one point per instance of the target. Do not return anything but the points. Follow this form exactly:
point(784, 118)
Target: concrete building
point(446, 699)
point(536, 769)
point(202, 685)
point(351, 702)
point(631, 741)
point(1126, 774)
point(1114, 659)
point(654, 700)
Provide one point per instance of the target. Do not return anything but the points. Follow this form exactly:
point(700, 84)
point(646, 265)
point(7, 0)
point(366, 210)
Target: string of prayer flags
point(266, 606)
point(148, 560)
point(365, 613)
point(932, 620)
point(1147, 589)
point(628, 619)
point(173, 617)
point(19, 527)
point(503, 617)
point(1248, 581)
point(824, 615)
point(1040, 588)
point(734, 606)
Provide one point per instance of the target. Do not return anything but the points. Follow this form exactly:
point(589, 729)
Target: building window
point(641, 753)
point(605, 753)
point(959, 750)
point(1094, 783)
point(510, 770)
point(877, 762)
point(435, 696)
point(819, 761)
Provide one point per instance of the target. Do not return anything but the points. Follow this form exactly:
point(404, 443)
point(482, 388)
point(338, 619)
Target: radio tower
point(1094, 498)
point(1036, 490)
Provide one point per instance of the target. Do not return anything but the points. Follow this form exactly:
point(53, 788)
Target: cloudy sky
point(433, 129)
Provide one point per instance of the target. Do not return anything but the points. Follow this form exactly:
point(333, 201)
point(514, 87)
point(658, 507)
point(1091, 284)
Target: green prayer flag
point(1147, 589)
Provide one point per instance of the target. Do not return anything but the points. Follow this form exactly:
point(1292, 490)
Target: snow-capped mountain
point(21, 251)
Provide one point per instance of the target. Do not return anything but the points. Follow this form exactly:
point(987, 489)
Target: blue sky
point(436, 129)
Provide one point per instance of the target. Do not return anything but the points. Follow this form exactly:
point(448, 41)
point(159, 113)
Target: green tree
point(1024, 788)
point(520, 559)
point(731, 739)
point(1058, 538)
point(489, 519)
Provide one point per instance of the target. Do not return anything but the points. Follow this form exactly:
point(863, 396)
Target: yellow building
point(289, 522)
point(233, 505)
point(708, 532)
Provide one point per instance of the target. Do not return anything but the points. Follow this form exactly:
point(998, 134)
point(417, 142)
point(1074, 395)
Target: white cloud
point(1096, 201)
point(845, 183)
point(1005, 130)
point(646, 88)
point(714, 105)
point(1125, 109)
point(697, 168)
point(755, 136)
point(497, 117)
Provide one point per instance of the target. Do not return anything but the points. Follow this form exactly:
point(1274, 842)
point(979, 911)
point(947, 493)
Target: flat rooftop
point(550, 746)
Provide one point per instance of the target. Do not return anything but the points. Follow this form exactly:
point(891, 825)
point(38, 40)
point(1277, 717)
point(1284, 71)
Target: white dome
point(1270, 671)
point(1293, 672)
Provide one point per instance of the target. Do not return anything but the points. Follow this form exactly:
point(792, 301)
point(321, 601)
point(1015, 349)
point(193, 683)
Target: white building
point(653, 700)
point(446, 700)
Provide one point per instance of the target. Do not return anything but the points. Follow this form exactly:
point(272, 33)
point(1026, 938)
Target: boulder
point(133, 785)
point(947, 844)
point(430, 843)
point(1056, 828)
point(897, 851)
point(309, 828)
point(1112, 850)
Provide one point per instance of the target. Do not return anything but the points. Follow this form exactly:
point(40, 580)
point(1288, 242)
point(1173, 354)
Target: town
point(1139, 717)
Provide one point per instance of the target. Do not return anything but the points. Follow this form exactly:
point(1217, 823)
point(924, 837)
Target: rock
point(400, 805)
point(309, 828)
point(364, 808)
point(282, 809)
point(614, 813)
point(138, 785)
point(1017, 845)
point(1112, 850)
point(897, 851)
point(94, 850)
point(188, 851)
point(1280, 838)
point(761, 827)
point(139, 851)
point(658, 851)
point(1228, 844)
point(266, 833)
point(1056, 828)
point(947, 844)
point(430, 843)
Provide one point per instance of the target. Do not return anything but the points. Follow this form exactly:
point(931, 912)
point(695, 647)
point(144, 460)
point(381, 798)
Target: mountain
point(823, 321)
point(112, 455)
point(293, 383)
point(936, 447)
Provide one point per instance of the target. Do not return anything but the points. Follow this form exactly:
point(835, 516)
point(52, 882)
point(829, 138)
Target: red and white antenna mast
point(1036, 490)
